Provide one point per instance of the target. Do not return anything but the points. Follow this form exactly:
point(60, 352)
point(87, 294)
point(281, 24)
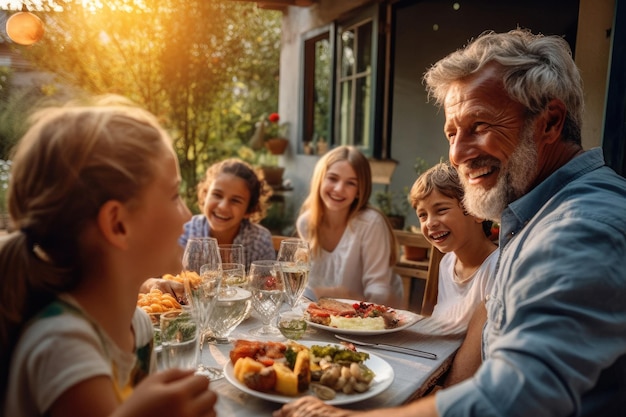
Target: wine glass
point(233, 303)
point(232, 253)
point(267, 286)
point(294, 256)
point(202, 269)
point(200, 251)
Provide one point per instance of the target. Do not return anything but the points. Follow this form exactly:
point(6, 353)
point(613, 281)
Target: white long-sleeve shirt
point(360, 262)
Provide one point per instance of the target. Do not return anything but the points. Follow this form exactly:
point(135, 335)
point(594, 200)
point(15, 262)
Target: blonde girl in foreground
point(94, 198)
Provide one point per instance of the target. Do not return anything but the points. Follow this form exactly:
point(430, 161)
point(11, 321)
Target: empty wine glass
point(233, 253)
point(233, 303)
point(294, 256)
point(267, 286)
point(200, 251)
point(202, 269)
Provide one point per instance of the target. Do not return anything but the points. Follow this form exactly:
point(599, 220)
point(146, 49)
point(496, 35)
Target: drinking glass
point(179, 340)
point(202, 269)
point(294, 256)
point(233, 253)
point(268, 287)
point(233, 303)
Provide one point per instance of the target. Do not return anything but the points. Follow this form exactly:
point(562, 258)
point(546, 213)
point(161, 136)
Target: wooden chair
point(426, 269)
point(276, 239)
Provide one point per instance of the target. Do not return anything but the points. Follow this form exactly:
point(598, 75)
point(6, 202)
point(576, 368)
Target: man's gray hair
point(535, 70)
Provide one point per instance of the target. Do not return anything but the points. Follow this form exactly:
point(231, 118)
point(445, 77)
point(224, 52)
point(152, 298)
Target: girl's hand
point(173, 392)
point(175, 288)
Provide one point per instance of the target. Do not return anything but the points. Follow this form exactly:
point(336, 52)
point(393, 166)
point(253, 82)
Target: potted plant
point(275, 134)
point(268, 142)
point(393, 206)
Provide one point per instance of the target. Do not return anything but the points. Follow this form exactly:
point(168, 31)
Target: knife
point(392, 348)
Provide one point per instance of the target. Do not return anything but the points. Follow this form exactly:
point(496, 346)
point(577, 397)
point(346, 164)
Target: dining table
point(412, 376)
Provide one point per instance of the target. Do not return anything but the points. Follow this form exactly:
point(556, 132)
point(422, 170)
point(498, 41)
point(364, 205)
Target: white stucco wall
point(592, 57)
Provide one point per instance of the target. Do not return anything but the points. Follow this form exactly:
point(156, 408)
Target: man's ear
point(111, 223)
point(552, 121)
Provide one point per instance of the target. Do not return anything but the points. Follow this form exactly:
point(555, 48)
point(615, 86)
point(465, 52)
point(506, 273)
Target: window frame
point(376, 144)
point(307, 100)
point(362, 16)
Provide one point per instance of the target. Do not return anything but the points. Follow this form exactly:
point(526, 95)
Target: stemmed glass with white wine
point(202, 273)
point(294, 256)
point(268, 288)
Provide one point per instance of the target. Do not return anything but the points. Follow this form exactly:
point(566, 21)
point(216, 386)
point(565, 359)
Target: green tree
point(207, 68)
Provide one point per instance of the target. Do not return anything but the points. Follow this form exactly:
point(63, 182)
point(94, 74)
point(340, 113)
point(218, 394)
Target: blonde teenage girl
point(352, 243)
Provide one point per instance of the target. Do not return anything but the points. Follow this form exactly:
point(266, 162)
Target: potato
point(302, 369)
point(263, 381)
point(286, 380)
point(245, 366)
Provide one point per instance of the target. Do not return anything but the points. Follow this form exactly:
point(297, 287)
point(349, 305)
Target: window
point(354, 84)
point(317, 100)
point(340, 85)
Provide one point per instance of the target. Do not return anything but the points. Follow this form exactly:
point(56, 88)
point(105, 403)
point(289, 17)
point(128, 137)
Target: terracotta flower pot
point(273, 175)
point(276, 146)
point(412, 253)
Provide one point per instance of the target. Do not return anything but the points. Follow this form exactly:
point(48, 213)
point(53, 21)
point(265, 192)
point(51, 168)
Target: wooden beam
point(280, 4)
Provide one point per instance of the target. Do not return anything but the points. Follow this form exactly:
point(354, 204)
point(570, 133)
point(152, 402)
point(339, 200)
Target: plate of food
point(262, 370)
point(354, 317)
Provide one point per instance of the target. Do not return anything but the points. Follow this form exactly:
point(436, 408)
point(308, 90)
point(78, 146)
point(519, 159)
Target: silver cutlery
point(392, 348)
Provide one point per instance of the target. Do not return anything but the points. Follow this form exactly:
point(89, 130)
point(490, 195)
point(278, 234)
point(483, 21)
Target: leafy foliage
point(206, 68)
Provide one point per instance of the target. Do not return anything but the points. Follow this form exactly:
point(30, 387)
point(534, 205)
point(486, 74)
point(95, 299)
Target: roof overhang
point(280, 4)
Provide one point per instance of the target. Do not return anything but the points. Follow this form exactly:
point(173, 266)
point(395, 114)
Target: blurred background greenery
point(207, 68)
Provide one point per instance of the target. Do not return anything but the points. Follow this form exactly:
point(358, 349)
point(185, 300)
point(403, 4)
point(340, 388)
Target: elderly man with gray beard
point(554, 342)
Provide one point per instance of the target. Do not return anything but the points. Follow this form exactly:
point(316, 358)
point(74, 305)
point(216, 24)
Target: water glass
point(179, 340)
point(268, 287)
point(233, 303)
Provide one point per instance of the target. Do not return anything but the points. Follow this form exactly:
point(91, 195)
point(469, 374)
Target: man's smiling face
point(491, 143)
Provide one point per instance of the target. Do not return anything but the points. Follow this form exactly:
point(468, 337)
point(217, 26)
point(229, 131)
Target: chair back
point(412, 269)
point(276, 239)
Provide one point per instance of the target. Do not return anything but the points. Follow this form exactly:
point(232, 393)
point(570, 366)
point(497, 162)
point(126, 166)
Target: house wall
point(592, 56)
point(593, 48)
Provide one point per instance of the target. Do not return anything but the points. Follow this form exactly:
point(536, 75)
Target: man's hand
point(311, 407)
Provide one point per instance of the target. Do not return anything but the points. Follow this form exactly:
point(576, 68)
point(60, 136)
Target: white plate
point(407, 319)
point(382, 381)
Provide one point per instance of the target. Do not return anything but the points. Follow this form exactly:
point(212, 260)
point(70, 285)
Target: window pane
point(321, 105)
point(362, 112)
point(317, 102)
point(347, 53)
point(345, 114)
point(364, 44)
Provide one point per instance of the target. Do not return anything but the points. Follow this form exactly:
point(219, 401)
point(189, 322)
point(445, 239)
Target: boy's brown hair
point(443, 178)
